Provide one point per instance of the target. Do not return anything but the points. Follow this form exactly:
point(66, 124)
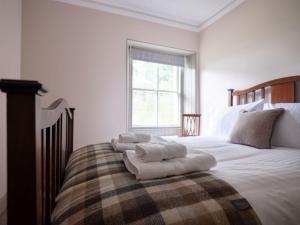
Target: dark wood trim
point(282, 91)
point(21, 158)
point(230, 97)
point(22, 135)
point(238, 101)
point(277, 91)
point(267, 84)
point(246, 98)
point(263, 93)
point(21, 86)
point(39, 143)
point(253, 96)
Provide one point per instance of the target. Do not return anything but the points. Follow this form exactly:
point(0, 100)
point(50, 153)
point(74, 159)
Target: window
point(156, 94)
point(160, 88)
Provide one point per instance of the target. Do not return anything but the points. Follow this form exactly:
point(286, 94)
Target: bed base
point(39, 143)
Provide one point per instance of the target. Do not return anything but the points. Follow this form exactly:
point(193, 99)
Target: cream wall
point(80, 54)
point(10, 60)
point(256, 42)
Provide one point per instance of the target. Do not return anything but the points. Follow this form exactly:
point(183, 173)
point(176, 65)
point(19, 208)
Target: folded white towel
point(134, 138)
point(121, 147)
point(151, 170)
point(155, 152)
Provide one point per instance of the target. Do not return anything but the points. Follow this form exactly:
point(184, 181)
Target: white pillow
point(225, 120)
point(286, 131)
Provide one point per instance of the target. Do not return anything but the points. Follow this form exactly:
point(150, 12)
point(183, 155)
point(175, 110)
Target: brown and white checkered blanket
point(99, 190)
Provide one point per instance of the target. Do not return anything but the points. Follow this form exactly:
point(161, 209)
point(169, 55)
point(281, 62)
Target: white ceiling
point(192, 15)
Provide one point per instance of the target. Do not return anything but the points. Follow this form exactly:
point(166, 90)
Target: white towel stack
point(157, 160)
point(134, 138)
point(121, 147)
point(128, 141)
point(155, 152)
point(172, 167)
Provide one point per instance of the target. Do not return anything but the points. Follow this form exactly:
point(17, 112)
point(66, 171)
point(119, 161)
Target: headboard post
point(230, 97)
point(71, 133)
point(23, 196)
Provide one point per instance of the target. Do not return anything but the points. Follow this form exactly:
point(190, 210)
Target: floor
point(3, 218)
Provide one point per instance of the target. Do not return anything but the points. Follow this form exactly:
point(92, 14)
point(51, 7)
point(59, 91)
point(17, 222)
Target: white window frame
point(158, 130)
point(179, 96)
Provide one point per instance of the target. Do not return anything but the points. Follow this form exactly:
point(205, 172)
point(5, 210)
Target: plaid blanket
point(99, 190)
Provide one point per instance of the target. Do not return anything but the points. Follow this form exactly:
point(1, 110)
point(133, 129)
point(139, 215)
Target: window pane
point(168, 77)
point(168, 109)
point(144, 109)
point(144, 75)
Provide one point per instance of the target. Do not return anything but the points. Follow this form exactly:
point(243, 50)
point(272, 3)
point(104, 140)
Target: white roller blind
point(154, 56)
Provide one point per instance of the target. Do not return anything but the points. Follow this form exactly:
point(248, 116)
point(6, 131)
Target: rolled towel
point(134, 138)
point(121, 147)
point(155, 152)
point(172, 167)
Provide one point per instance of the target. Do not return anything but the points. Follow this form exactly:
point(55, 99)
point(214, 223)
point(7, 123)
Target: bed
point(87, 186)
point(268, 179)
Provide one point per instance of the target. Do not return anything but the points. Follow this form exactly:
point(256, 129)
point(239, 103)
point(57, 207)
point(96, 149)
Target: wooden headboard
point(282, 90)
point(39, 143)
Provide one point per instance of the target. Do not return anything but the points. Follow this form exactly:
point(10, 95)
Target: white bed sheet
point(268, 179)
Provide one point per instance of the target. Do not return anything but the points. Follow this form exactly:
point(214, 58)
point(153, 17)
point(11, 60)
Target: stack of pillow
point(261, 125)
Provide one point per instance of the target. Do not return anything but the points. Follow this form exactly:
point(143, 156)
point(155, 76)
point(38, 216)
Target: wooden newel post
point(230, 97)
point(23, 198)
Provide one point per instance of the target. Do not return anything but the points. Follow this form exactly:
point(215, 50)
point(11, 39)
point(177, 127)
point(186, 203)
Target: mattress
point(268, 178)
